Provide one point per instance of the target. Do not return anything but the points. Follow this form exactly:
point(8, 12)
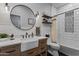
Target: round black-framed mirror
point(22, 17)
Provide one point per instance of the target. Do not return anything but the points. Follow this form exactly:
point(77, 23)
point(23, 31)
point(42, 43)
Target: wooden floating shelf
point(46, 16)
point(47, 22)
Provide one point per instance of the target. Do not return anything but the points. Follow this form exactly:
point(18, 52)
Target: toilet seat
point(55, 46)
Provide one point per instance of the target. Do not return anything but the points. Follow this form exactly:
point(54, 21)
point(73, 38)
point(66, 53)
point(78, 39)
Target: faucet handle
point(32, 34)
point(22, 36)
point(26, 33)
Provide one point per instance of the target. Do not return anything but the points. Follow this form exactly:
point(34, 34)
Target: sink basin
point(27, 44)
point(55, 46)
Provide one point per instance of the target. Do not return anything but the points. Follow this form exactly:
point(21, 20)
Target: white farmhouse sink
point(30, 43)
point(27, 44)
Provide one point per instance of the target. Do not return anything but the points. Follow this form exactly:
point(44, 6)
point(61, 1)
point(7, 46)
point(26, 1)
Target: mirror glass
point(22, 17)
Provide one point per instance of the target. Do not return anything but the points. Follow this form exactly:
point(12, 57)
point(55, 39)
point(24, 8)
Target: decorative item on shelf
point(46, 19)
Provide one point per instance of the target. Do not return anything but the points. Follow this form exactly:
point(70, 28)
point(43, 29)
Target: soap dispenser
point(12, 37)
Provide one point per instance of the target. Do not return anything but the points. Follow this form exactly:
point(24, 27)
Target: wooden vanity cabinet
point(43, 47)
point(41, 50)
point(12, 50)
point(31, 52)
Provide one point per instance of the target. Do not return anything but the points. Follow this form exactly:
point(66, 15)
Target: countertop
point(25, 43)
point(9, 42)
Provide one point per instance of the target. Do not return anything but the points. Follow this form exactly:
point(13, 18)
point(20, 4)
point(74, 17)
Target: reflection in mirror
point(22, 17)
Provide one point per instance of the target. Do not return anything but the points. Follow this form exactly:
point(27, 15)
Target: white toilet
point(55, 48)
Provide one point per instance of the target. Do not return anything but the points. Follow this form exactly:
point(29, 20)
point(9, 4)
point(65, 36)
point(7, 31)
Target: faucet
point(32, 34)
point(22, 36)
point(26, 34)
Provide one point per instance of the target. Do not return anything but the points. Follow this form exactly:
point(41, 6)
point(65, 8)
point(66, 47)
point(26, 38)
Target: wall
point(68, 7)
point(54, 10)
point(69, 40)
point(7, 27)
point(51, 29)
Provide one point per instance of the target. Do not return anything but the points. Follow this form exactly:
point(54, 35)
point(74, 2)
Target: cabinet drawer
point(32, 52)
point(43, 48)
point(9, 48)
point(44, 53)
point(42, 43)
point(12, 49)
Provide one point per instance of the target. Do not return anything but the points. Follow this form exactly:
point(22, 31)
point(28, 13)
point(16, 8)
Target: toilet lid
point(55, 45)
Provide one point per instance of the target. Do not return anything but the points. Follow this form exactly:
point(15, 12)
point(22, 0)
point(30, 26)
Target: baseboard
point(69, 51)
point(62, 54)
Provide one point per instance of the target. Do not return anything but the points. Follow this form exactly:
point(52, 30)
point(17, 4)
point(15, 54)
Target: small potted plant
point(3, 36)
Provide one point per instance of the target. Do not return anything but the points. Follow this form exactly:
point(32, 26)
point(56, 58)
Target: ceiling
point(59, 5)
